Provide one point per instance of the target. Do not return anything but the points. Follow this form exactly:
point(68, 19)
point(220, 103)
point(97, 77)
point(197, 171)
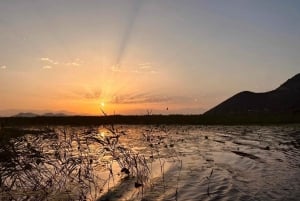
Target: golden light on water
point(102, 134)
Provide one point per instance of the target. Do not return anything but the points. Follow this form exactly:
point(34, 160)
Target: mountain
point(26, 114)
point(49, 114)
point(285, 100)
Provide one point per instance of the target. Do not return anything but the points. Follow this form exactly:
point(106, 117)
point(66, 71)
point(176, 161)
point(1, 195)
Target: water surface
point(170, 162)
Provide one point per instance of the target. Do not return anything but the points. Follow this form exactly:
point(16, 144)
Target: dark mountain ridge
point(30, 114)
point(281, 101)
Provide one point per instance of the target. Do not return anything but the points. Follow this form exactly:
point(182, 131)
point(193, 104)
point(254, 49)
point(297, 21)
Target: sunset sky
point(130, 56)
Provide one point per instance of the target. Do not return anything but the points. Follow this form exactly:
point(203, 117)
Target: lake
point(150, 162)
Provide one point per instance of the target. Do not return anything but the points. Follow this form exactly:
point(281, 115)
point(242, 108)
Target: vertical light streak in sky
point(134, 13)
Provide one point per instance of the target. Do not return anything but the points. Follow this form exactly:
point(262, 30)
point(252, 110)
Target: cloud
point(3, 67)
point(76, 62)
point(92, 95)
point(140, 68)
point(145, 71)
point(47, 67)
point(145, 66)
point(83, 93)
point(150, 98)
point(45, 59)
point(139, 98)
point(116, 68)
point(72, 64)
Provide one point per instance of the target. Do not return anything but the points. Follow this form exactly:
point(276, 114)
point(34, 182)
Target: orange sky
point(136, 55)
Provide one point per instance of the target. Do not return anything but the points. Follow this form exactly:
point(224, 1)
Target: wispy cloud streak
point(140, 68)
point(139, 98)
point(47, 67)
point(45, 59)
point(52, 62)
point(128, 31)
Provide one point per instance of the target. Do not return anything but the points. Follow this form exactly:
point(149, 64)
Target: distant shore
point(151, 119)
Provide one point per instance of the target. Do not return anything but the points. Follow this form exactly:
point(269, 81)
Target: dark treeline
point(150, 119)
point(101, 120)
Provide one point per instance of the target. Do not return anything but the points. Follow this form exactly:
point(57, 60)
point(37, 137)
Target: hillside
point(30, 114)
point(285, 100)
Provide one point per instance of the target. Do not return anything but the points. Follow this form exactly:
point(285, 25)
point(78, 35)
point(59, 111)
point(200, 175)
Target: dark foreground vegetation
point(153, 119)
point(60, 163)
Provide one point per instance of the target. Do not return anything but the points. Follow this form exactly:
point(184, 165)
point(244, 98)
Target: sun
point(102, 104)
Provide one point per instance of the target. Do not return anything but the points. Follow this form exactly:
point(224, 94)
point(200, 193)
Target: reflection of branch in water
point(208, 178)
point(177, 185)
